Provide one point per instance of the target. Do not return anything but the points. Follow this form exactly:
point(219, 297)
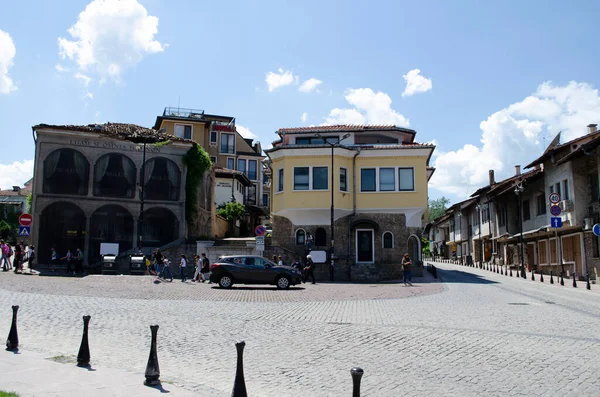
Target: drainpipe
point(353, 207)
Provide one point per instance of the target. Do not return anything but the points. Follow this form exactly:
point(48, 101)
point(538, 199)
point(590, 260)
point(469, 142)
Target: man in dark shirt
point(308, 269)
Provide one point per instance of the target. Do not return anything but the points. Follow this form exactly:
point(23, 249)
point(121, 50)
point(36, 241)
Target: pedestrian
point(197, 267)
point(18, 257)
point(296, 264)
point(30, 258)
point(406, 272)
point(205, 269)
point(78, 261)
point(158, 261)
point(69, 258)
point(309, 242)
point(308, 269)
point(166, 268)
point(274, 259)
point(53, 259)
point(182, 267)
point(4, 248)
point(280, 262)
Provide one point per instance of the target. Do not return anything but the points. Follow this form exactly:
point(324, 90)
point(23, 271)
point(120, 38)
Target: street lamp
point(478, 207)
point(333, 145)
point(518, 191)
point(460, 229)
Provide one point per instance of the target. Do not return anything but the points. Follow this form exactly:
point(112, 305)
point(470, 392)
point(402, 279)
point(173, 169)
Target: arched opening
point(300, 237)
point(414, 248)
point(160, 227)
point(62, 225)
point(388, 240)
point(320, 237)
point(66, 171)
point(114, 176)
point(110, 224)
point(161, 179)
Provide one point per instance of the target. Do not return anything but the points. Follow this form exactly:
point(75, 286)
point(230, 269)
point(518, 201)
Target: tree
point(232, 211)
point(425, 246)
point(437, 207)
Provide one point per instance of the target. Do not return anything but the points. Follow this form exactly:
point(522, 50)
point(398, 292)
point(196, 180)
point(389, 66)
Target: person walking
point(166, 268)
point(197, 267)
point(78, 261)
point(158, 261)
point(69, 258)
point(406, 272)
point(182, 267)
point(205, 269)
point(4, 248)
point(18, 258)
point(280, 262)
point(30, 258)
point(309, 242)
point(308, 269)
point(53, 259)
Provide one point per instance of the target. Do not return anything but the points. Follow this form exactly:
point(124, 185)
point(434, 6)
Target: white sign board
point(109, 249)
point(260, 243)
point(319, 256)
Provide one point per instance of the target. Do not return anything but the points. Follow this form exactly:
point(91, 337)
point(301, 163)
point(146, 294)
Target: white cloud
point(7, 54)
point(304, 117)
point(109, 37)
point(369, 108)
point(83, 78)
point(515, 135)
point(60, 68)
point(415, 83)
point(15, 174)
point(310, 85)
point(245, 132)
point(280, 79)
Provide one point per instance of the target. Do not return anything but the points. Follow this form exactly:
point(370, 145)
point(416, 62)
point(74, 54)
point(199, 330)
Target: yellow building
point(377, 196)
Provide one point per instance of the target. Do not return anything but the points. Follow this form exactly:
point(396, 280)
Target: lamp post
point(333, 145)
point(519, 188)
point(460, 229)
point(478, 207)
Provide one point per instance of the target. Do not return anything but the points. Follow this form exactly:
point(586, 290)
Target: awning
point(11, 202)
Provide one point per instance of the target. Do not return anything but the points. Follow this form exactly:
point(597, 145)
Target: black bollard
point(83, 357)
point(239, 385)
point(152, 369)
point(551, 278)
point(510, 271)
point(562, 279)
point(542, 277)
point(12, 343)
point(498, 269)
point(574, 282)
point(532, 275)
point(357, 374)
point(588, 286)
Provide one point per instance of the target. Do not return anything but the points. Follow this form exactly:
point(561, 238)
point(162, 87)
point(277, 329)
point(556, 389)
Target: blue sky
point(497, 79)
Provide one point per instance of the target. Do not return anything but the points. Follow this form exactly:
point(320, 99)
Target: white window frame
point(248, 169)
point(184, 125)
point(310, 179)
point(280, 180)
point(396, 183)
point(340, 181)
point(216, 141)
point(383, 239)
point(215, 159)
point(372, 242)
point(234, 164)
point(220, 139)
point(296, 236)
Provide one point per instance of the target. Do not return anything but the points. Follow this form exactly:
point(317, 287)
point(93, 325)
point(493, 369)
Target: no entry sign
point(25, 220)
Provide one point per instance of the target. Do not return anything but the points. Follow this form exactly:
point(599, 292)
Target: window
point(251, 196)
point(566, 189)
point(388, 240)
point(161, 178)
point(265, 178)
point(316, 140)
point(541, 205)
point(502, 216)
point(280, 180)
point(302, 141)
point(406, 179)
point(114, 176)
point(265, 200)
point(213, 137)
point(231, 163)
point(213, 159)
point(319, 178)
point(387, 179)
point(476, 215)
point(183, 131)
point(228, 143)
point(343, 179)
point(594, 185)
point(526, 210)
point(320, 237)
point(300, 237)
point(367, 179)
point(555, 189)
point(452, 226)
point(66, 171)
point(252, 169)
point(301, 178)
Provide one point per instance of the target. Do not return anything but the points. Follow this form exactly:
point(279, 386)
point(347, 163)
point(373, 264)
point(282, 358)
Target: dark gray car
point(252, 269)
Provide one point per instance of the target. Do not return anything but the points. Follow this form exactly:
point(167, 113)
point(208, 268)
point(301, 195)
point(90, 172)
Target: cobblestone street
point(476, 333)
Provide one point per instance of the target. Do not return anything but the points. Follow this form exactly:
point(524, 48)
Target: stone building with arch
point(89, 183)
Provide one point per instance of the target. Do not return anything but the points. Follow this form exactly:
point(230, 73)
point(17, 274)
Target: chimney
point(16, 189)
point(492, 180)
point(517, 170)
point(592, 128)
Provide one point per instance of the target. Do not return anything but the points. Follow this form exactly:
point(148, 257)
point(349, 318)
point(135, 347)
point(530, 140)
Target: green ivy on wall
point(197, 162)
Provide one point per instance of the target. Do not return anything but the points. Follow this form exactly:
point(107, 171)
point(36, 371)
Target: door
point(364, 246)
point(257, 272)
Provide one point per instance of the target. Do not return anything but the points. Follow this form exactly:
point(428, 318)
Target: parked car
point(252, 269)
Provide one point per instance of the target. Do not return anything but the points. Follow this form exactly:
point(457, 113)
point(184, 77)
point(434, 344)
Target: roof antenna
point(178, 100)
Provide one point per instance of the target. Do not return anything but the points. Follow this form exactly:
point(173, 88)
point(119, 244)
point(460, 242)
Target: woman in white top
point(182, 267)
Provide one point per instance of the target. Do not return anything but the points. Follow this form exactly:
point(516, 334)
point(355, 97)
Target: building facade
point(91, 186)
point(372, 180)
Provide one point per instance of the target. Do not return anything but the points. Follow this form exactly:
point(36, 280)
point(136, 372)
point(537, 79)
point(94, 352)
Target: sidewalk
point(30, 374)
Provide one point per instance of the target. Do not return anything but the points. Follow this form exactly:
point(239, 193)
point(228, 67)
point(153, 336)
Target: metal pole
point(332, 209)
point(142, 179)
point(521, 222)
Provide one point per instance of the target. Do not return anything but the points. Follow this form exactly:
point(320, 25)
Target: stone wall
point(221, 226)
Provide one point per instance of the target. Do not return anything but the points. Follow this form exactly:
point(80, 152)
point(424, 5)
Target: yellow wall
point(322, 199)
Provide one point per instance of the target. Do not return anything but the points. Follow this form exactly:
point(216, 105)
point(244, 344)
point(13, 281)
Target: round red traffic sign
point(260, 230)
point(25, 220)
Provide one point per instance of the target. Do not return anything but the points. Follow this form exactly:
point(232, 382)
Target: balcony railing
point(185, 113)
